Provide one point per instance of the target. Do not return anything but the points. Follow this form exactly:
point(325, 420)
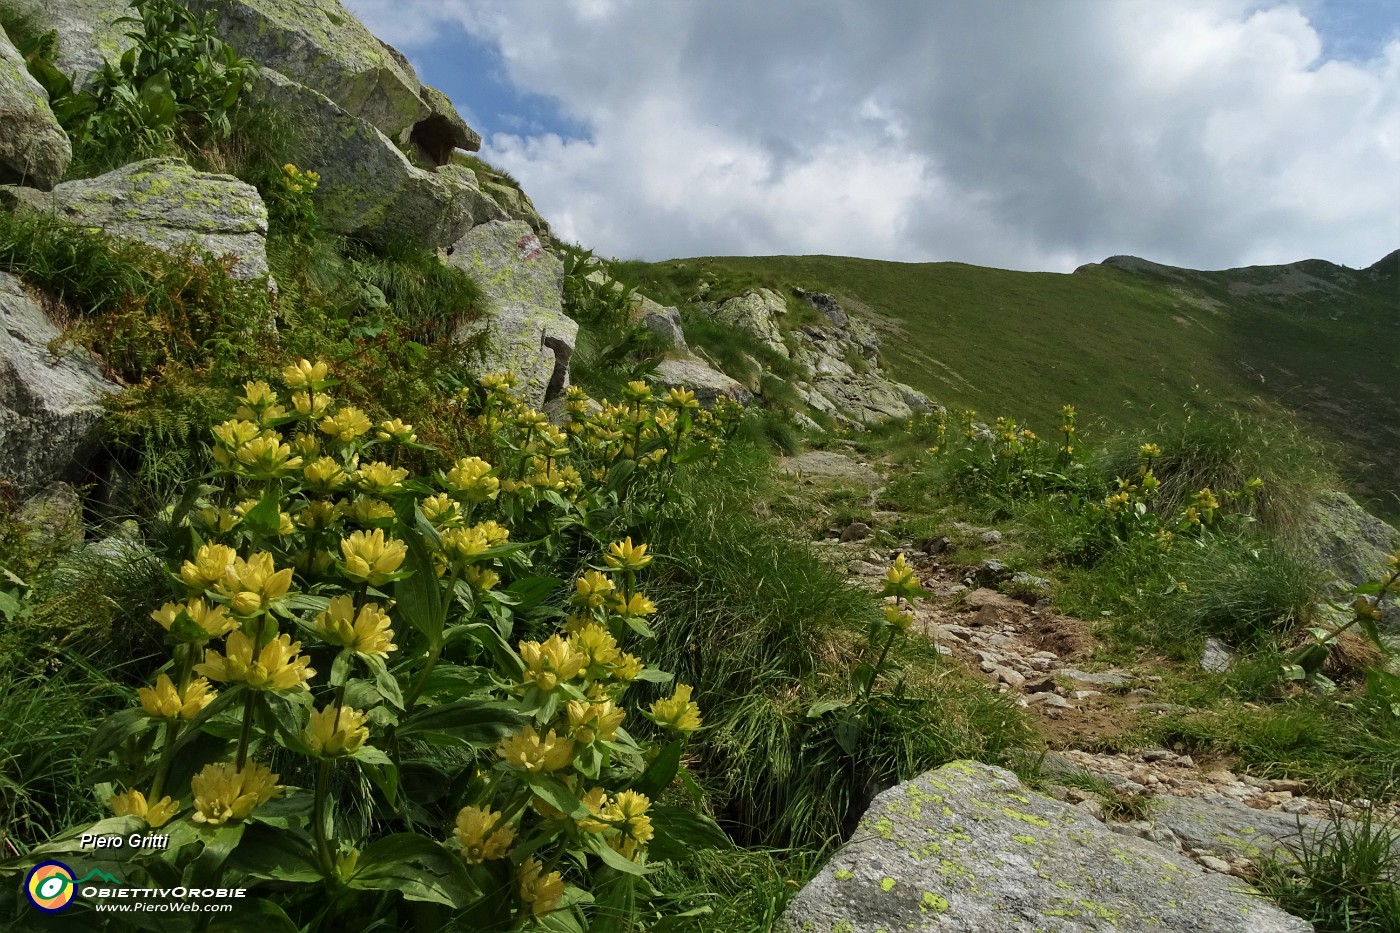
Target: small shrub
point(176, 85)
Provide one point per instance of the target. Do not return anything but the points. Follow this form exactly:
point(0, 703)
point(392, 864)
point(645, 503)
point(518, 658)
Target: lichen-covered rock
point(34, 150)
point(756, 313)
point(88, 32)
point(442, 131)
point(968, 849)
point(527, 332)
point(167, 204)
point(1230, 829)
point(322, 45)
point(867, 398)
point(1351, 543)
point(517, 204)
point(708, 383)
point(368, 186)
point(50, 406)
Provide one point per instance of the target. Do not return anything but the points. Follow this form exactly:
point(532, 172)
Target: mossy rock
point(968, 849)
point(34, 150)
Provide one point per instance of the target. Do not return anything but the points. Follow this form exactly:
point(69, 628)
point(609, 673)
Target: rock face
point(708, 383)
point(166, 204)
point(34, 150)
point(968, 848)
point(368, 186)
point(838, 356)
point(756, 313)
point(88, 32)
point(527, 332)
point(49, 407)
point(322, 45)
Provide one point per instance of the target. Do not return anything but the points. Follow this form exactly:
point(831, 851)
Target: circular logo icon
point(49, 886)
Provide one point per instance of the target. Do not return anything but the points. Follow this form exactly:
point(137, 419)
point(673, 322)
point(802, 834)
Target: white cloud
point(1030, 134)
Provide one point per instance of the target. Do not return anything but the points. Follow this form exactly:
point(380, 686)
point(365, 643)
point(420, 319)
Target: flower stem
point(318, 819)
point(246, 734)
point(167, 755)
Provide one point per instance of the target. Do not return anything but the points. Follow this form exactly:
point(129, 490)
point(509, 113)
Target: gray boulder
point(708, 383)
point(368, 186)
point(1351, 543)
point(1229, 829)
point(756, 313)
point(526, 330)
point(516, 204)
point(167, 204)
point(88, 32)
point(968, 848)
point(50, 405)
point(663, 322)
point(322, 45)
point(34, 150)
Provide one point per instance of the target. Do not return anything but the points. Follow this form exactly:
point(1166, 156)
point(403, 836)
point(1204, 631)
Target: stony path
point(1024, 649)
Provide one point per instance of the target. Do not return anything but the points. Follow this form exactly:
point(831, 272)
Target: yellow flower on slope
point(537, 889)
point(592, 721)
point(624, 555)
point(528, 750)
point(346, 424)
point(678, 712)
point(303, 374)
point(224, 793)
point(366, 632)
point(254, 584)
point(276, 667)
point(628, 814)
point(133, 803)
point(333, 732)
point(483, 835)
point(211, 562)
point(550, 663)
point(592, 589)
point(370, 558)
point(212, 619)
point(163, 701)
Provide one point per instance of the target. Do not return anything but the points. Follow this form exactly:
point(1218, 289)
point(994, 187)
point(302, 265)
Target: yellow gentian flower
point(333, 732)
point(371, 558)
point(678, 712)
point(276, 667)
point(133, 803)
point(224, 793)
point(482, 834)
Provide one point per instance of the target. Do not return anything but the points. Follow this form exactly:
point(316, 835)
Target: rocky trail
point(1002, 627)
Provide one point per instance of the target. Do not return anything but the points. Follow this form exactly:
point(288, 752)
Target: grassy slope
point(1125, 341)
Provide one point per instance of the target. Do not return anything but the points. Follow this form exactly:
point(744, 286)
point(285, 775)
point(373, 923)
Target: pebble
point(1213, 863)
point(1009, 677)
point(863, 568)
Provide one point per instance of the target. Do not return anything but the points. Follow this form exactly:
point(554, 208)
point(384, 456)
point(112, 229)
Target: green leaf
point(265, 517)
point(531, 591)
point(368, 754)
point(474, 722)
point(340, 667)
point(276, 855)
point(680, 831)
point(219, 844)
point(385, 777)
point(655, 675)
point(554, 792)
point(662, 770)
point(417, 597)
point(419, 868)
point(260, 914)
point(611, 857)
point(115, 729)
point(385, 681)
point(823, 707)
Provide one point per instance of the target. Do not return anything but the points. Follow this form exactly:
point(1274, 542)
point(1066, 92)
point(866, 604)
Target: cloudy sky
point(1025, 134)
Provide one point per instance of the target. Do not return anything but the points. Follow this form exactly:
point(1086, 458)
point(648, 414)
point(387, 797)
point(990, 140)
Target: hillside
point(1127, 341)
